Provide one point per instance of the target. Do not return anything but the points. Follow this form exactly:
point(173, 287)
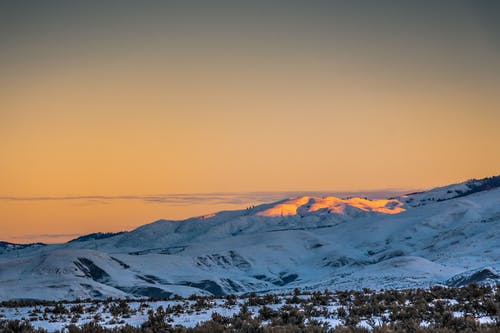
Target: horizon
point(175, 207)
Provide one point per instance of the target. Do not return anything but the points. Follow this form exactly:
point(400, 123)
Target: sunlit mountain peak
point(331, 204)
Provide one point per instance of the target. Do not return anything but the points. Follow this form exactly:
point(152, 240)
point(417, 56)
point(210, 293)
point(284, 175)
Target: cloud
point(208, 198)
point(44, 236)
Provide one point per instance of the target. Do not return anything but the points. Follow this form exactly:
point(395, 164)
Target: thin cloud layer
point(208, 198)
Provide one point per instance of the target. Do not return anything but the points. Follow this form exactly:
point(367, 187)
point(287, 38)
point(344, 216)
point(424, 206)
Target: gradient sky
point(133, 98)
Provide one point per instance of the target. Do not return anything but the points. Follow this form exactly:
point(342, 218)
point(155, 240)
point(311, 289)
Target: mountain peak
point(331, 204)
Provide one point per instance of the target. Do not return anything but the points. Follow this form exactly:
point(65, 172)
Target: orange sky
point(135, 101)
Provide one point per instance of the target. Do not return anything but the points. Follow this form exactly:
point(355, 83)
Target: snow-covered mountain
point(9, 247)
point(448, 235)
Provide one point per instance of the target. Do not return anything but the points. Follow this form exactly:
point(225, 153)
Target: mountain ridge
point(327, 243)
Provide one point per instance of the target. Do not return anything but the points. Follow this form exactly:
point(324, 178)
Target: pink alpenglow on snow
point(335, 205)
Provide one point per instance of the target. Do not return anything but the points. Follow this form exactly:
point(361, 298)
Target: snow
point(306, 205)
point(188, 316)
point(316, 244)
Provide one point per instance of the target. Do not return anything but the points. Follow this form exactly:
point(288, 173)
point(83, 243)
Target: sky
point(109, 103)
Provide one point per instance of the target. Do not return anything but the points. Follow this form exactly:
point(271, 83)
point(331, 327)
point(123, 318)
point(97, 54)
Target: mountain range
point(447, 236)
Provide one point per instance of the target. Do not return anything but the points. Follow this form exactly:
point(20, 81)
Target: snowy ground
point(320, 307)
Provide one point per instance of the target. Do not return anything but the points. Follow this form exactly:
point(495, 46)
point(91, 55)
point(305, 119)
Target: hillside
point(439, 236)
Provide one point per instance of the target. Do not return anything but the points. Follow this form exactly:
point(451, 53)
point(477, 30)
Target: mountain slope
point(305, 242)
